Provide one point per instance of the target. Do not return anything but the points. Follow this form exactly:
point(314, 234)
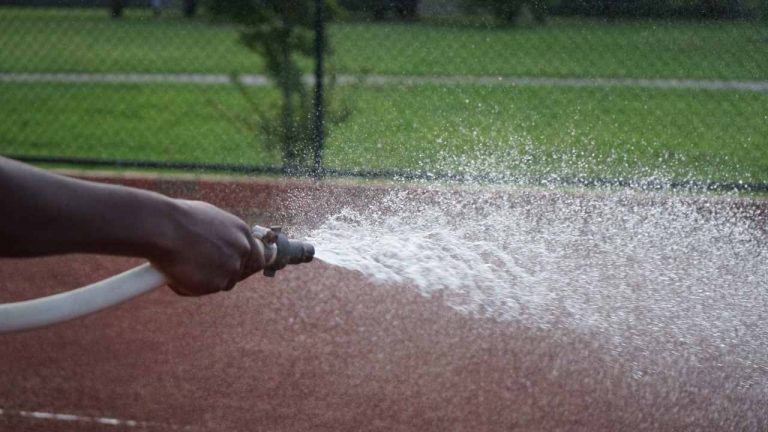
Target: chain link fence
point(616, 91)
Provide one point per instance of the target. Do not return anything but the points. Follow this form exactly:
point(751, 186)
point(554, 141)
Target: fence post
point(318, 135)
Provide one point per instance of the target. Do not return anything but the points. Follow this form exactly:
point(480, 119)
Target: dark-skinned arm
point(200, 248)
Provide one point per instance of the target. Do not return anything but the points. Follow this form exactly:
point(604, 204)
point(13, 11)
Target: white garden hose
point(278, 250)
point(30, 314)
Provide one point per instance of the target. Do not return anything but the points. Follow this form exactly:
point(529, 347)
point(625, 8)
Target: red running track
point(319, 348)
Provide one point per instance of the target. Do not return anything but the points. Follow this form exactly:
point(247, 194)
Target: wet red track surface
point(320, 348)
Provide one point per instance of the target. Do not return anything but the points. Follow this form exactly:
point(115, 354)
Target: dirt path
point(385, 80)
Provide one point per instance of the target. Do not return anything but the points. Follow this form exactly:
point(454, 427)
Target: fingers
point(245, 257)
point(196, 291)
point(230, 284)
point(234, 264)
point(213, 250)
point(253, 259)
point(180, 291)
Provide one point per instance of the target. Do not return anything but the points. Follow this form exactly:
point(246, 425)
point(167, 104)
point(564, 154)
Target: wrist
point(162, 226)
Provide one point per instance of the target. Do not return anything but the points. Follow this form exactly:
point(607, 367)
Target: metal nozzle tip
point(309, 252)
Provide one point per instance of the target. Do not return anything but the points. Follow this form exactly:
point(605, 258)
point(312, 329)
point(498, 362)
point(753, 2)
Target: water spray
point(279, 252)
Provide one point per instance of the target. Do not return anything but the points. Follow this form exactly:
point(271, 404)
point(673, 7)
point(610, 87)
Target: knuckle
point(233, 266)
point(230, 284)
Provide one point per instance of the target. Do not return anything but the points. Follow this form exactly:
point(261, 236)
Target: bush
point(695, 9)
point(511, 11)
point(383, 9)
point(279, 31)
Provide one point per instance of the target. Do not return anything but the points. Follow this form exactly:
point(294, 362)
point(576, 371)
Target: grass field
point(76, 40)
point(562, 48)
point(682, 133)
point(567, 131)
point(712, 135)
point(155, 122)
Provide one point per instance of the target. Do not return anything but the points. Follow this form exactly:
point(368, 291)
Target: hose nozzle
point(279, 250)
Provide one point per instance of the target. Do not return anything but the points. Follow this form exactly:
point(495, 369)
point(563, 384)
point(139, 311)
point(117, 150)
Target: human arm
point(201, 249)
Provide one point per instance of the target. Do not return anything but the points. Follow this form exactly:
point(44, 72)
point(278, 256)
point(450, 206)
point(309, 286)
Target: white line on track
point(385, 80)
point(75, 418)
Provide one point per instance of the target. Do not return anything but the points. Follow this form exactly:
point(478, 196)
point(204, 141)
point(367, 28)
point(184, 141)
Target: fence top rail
point(407, 175)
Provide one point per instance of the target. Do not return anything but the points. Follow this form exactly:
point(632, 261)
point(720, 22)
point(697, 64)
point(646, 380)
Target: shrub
point(695, 9)
point(280, 31)
point(382, 9)
point(511, 11)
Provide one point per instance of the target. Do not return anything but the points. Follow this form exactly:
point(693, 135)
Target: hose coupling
point(279, 250)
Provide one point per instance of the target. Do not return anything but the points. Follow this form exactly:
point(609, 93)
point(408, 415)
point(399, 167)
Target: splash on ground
point(661, 277)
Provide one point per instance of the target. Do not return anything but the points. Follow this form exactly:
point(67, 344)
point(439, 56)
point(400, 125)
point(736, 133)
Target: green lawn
point(85, 40)
point(562, 48)
point(709, 135)
point(153, 122)
point(611, 132)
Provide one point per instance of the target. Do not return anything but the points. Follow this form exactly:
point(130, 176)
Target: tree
point(280, 31)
